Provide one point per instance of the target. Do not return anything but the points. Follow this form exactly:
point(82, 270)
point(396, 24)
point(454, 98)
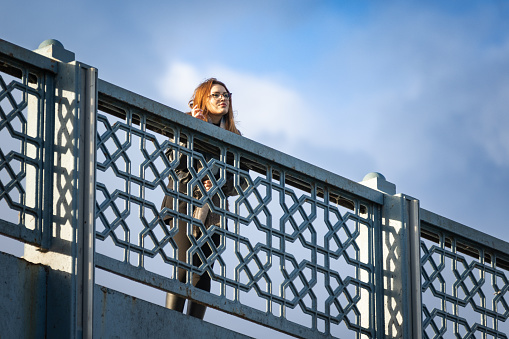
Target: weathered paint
point(22, 298)
point(121, 316)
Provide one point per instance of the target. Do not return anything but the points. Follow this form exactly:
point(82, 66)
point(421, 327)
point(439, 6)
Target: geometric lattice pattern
point(464, 288)
point(288, 245)
point(22, 141)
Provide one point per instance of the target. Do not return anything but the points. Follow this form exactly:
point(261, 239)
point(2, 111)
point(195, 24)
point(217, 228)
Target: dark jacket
point(184, 176)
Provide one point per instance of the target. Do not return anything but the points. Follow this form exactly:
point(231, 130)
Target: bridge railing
point(464, 280)
point(294, 251)
point(26, 135)
point(84, 169)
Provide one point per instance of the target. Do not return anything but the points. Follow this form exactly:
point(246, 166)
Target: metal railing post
point(401, 260)
point(70, 253)
point(414, 239)
point(88, 170)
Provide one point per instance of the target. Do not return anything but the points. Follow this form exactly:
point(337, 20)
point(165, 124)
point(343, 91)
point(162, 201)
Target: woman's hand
point(197, 113)
point(208, 184)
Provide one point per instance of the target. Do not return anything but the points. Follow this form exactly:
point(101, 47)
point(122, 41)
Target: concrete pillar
point(69, 255)
point(401, 260)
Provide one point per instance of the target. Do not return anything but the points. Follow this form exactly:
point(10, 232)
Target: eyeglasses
point(225, 95)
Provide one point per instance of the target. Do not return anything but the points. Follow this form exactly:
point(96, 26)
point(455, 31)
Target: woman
point(210, 102)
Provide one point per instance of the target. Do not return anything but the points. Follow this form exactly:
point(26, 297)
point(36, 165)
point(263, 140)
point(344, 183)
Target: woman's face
point(218, 107)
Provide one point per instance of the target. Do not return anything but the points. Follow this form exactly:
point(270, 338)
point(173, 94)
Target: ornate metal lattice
point(22, 129)
point(464, 287)
point(288, 246)
point(291, 246)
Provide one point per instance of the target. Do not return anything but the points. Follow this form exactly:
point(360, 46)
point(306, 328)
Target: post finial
point(377, 181)
point(53, 48)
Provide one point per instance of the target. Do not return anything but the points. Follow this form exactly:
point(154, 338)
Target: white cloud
point(264, 107)
point(177, 84)
point(492, 130)
point(401, 92)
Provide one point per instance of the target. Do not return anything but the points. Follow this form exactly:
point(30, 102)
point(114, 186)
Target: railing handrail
point(464, 231)
point(245, 144)
point(24, 55)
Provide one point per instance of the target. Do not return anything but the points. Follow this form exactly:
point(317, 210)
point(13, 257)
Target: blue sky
point(418, 91)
